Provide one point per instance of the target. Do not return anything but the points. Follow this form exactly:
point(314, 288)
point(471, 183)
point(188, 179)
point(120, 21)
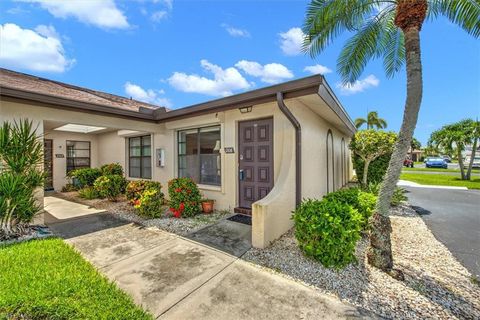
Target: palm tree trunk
point(472, 157)
point(380, 253)
point(460, 163)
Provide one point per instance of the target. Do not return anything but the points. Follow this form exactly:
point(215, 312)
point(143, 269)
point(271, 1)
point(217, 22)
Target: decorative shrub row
point(110, 186)
point(327, 230)
point(86, 176)
point(184, 197)
point(111, 168)
point(146, 197)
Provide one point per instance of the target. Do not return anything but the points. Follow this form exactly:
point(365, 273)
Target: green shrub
point(111, 168)
point(85, 176)
point(376, 169)
point(184, 197)
point(17, 202)
point(110, 187)
point(135, 188)
point(328, 231)
point(398, 196)
point(150, 203)
point(88, 193)
point(69, 187)
point(364, 202)
point(21, 156)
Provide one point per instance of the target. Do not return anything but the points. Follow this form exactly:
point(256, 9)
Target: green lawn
point(431, 169)
point(441, 180)
point(47, 279)
point(438, 170)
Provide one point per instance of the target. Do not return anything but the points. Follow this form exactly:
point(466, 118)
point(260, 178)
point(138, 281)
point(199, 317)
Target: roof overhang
point(75, 105)
point(296, 88)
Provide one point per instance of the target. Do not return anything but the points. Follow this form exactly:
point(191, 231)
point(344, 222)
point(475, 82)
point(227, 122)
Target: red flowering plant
point(184, 197)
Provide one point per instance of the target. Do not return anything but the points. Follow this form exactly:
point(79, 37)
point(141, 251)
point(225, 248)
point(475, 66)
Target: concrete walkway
point(177, 278)
point(61, 209)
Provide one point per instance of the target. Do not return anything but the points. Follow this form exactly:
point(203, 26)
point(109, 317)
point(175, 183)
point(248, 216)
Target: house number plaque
point(229, 150)
point(59, 155)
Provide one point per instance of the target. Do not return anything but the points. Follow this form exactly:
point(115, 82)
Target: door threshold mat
point(241, 218)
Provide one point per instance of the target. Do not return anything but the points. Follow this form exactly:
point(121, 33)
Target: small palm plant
point(21, 158)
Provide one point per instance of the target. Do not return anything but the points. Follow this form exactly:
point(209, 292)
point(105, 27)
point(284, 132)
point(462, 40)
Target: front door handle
point(241, 175)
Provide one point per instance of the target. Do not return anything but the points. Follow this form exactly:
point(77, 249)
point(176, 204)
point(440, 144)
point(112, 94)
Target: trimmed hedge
point(86, 176)
point(327, 230)
point(363, 202)
point(376, 169)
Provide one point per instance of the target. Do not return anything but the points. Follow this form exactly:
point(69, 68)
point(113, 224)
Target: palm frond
point(327, 19)
point(465, 13)
point(394, 49)
point(368, 43)
point(360, 122)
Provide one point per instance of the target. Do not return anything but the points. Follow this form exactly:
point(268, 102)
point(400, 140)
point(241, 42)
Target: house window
point(140, 157)
point(199, 155)
point(78, 155)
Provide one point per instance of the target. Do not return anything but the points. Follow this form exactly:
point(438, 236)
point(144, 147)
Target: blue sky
point(178, 53)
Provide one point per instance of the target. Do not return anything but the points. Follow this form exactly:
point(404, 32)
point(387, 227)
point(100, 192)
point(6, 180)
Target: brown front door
point(48, 163)
point(255, 146)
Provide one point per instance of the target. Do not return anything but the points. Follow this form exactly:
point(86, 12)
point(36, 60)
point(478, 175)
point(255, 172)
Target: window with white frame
point(140, 157)
point(199, 155)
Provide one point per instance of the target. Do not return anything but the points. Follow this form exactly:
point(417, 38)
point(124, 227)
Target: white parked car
point(476, 162)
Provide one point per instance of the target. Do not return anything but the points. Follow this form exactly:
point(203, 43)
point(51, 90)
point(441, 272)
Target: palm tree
point(373, 120)
point(388, 29)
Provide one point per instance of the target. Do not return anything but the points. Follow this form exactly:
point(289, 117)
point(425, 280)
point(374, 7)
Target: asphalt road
point(454, 218)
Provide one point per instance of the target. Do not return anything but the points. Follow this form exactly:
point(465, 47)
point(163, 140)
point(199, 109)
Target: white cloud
point(236, 32)
point(100, 13)
point(317, 69)
point(224, 81)
point(359, 85)
point(35, 50)
point(148, 96)
point(291, 41)
point(269, 73)
point(158, 16)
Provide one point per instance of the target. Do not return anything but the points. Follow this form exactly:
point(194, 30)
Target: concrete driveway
point(454, 218)
point(177, 278)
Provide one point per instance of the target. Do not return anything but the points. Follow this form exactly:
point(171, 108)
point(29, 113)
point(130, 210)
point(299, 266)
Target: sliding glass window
point(199, 155)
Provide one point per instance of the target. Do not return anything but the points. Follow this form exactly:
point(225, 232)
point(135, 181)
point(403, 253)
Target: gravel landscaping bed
point(125, 211)
point(436, 285)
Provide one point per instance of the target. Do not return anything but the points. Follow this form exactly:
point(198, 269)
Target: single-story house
point(259, 152)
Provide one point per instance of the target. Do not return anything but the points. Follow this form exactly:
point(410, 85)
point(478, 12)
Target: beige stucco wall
point(60, 148)
point(271, 215)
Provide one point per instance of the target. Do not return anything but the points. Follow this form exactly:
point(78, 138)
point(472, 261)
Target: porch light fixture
point(245, 109)
point(79, 128)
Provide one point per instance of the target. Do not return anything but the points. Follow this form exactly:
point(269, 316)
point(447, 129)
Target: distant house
point(258, 152)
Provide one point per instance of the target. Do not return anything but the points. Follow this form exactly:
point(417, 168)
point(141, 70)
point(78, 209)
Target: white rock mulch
point(125, 211)
point(436, 285)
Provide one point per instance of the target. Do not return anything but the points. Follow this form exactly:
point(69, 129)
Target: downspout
point(298, 147)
